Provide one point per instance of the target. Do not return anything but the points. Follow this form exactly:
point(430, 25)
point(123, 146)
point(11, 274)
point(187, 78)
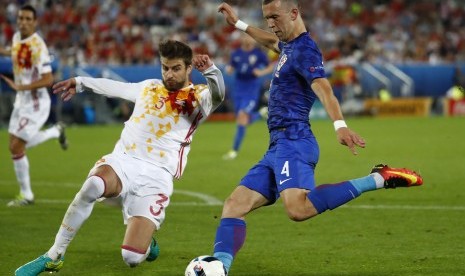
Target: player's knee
point(16, 147)
point(236, 208)
point(296, 215)
point(132, 258)
point(299, 213)
point(243, 119)
point(92, 189)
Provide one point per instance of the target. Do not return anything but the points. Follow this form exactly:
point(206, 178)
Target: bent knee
point(131, 257)
point(234, 208)
point(92, 189)
point(300, 214)
point(17, 147)
point(243, 118)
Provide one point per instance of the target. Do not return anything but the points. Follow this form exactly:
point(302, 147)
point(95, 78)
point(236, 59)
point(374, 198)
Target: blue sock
point(254, 116)
point(364, 184)
point(230, 237)
point(240, 133)
point(331, 196)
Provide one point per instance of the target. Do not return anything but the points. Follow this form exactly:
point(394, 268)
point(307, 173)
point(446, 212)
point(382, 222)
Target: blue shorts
point(245, 104)
point(288, 163)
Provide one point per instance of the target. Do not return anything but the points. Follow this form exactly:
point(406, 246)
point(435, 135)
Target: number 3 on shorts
point(158, 207)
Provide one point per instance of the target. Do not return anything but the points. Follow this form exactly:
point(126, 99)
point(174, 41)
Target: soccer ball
point(205, 266)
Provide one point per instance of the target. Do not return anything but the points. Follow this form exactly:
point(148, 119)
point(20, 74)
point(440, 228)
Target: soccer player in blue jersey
point(249, 63)
point(287, 168)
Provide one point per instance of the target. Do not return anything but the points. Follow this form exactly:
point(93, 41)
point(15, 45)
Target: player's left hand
point(201, 62)
point(10, 82)
point(347, 137)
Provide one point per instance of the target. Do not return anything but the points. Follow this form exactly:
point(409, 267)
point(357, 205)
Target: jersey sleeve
point(308, 62)
point(212, 94)
point(111, 88)
point(45, 62)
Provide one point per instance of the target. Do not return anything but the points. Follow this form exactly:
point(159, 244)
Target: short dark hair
point(287, 2)
point(30, 8)
point(173, 49)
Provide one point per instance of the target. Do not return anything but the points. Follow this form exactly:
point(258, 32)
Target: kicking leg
point(331, 196)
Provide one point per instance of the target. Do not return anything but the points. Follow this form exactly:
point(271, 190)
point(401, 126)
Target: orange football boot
point(394, 178)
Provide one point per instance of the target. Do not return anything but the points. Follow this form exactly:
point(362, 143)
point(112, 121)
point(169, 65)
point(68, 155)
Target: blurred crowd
point(119, 32)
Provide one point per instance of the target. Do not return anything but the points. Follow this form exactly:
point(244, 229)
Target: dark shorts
point(288, 163)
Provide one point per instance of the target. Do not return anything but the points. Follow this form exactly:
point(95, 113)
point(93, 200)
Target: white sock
point(131, 258)
point(43, 136)
point(78, 212)
point(21, 166)
point(378, 179)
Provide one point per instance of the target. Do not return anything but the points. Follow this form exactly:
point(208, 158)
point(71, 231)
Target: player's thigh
point(147, 193)
point(241, 201)
point(295, 162)
point(257, 187)
point(139, 232)
point(147, 211)
point(248, 104)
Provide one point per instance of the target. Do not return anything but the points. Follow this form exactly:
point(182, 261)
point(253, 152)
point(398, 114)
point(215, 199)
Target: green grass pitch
point(417, 231)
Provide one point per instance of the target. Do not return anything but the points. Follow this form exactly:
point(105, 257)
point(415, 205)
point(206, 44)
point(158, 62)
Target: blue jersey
point(244, 62)
point(291, 96)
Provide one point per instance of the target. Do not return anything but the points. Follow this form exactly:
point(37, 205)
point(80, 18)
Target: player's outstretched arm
point(45, 80)
point(345, 136)
point(106, 87)
point(263, 37)
point(214, 78)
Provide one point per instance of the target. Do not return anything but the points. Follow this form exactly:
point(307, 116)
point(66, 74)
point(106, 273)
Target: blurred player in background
point(287, 168)
point(32, 75)
point(152, 150)
point(248, 63)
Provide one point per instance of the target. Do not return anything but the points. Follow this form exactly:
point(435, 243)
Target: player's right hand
point(202, 62)
point(66, 88)
point(350, 139)
point(228, 13)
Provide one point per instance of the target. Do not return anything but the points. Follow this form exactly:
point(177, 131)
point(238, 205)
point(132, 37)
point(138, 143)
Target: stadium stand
point(425, 40)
